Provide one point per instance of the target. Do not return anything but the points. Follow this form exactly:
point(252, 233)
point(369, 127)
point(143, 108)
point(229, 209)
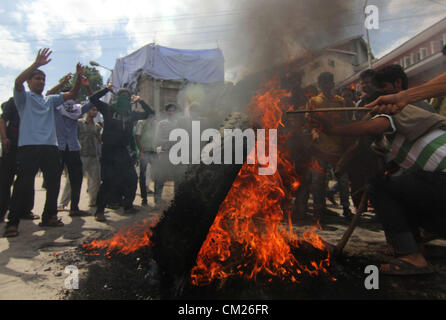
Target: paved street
point(28, 263)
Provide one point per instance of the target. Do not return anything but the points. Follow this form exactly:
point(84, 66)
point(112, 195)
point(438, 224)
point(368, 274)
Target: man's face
point(171, 111)
point(37, 83)
point(93, 112)
point(391, 87)
point(367, 86)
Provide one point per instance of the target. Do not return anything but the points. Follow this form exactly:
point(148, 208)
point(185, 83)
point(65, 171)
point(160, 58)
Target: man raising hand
point(37, 146)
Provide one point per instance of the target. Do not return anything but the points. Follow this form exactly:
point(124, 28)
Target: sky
point(104, 30)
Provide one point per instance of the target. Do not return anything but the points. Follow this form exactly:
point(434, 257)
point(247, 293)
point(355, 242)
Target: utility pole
point(369, 53)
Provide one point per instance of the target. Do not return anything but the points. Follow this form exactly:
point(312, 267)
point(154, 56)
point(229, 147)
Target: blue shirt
point(37, 117)
point(67, 129)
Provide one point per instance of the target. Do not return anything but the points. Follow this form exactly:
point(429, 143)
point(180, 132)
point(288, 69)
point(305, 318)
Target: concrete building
point(420, 56)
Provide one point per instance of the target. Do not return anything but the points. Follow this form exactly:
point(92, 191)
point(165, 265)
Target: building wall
point(157, 93)
point(337, 63)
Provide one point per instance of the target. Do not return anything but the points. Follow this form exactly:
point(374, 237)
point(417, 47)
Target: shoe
point(78, 213)
point(144, 203)
point(30, 216)
point(52, 222)
point(11, 231)
point(113, 206)
point(99, 216)
point(131, 210)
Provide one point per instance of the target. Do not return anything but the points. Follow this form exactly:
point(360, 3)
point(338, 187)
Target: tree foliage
point(96, 83)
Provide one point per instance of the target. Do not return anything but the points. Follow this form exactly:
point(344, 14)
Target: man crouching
point(415, 197)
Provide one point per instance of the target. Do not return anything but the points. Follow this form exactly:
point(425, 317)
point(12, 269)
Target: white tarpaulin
point(202, 66)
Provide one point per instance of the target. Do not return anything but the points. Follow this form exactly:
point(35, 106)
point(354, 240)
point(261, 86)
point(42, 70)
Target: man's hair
point(170, 105)
point(311, 88)
point(325, 76)
point(392, 73)
point(35, 73)
point(369, 73)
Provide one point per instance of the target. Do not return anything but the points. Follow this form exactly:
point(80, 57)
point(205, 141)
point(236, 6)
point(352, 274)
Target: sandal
point(398, 267)
point(99, 216)
point(78, 213)
point(11, 232)
point(52, 222)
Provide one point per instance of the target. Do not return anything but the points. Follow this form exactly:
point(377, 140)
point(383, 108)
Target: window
point(423, 53)
point(407, 61)
point(415, 57)
point(435, 47)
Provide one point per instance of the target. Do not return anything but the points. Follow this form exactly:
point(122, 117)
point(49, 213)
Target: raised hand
point(110, 86)
point(135, 98)
point(79, 69)
point(42, 57)
point(67, 78)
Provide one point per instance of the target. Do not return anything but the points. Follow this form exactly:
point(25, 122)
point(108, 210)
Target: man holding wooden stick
point(415, 140)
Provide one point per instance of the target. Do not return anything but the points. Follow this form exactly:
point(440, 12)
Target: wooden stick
point(347, 234)
point(329, 110)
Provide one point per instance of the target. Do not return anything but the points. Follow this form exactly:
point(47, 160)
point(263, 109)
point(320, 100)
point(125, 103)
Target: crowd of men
point(395, 154)
point(50, 132)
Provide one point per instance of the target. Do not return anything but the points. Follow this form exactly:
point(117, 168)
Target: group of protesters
point(394, 154)
point(51, 133)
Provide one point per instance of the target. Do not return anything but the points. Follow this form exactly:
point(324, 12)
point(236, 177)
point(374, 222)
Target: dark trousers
point(8, 171)
point(407, 202)
point(118, 176)
point(29, 160)
point(72, 159)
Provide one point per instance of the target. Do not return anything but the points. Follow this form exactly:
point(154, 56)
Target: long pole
point(330, 110)
point(369, 54)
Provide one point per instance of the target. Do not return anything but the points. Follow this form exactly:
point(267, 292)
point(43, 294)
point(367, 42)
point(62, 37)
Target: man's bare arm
point(371, 127)
point(59, 86)
point(72, 94)
point(41, 60)
point(393, 103)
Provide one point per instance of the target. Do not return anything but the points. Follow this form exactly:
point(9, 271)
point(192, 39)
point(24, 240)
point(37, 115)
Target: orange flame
point(125, 241)
point(249, 223)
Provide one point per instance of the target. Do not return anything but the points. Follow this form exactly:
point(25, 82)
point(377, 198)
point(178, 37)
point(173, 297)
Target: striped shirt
point(427, 153)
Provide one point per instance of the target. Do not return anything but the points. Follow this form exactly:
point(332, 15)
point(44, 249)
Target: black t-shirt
point(12, 119)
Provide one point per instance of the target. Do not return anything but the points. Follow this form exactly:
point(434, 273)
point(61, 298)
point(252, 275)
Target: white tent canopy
point(202, 66)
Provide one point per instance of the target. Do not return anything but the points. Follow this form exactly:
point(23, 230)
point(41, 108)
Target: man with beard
point(37, 146)
point(392, 79)
point(415, 141)
point(117, 165)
